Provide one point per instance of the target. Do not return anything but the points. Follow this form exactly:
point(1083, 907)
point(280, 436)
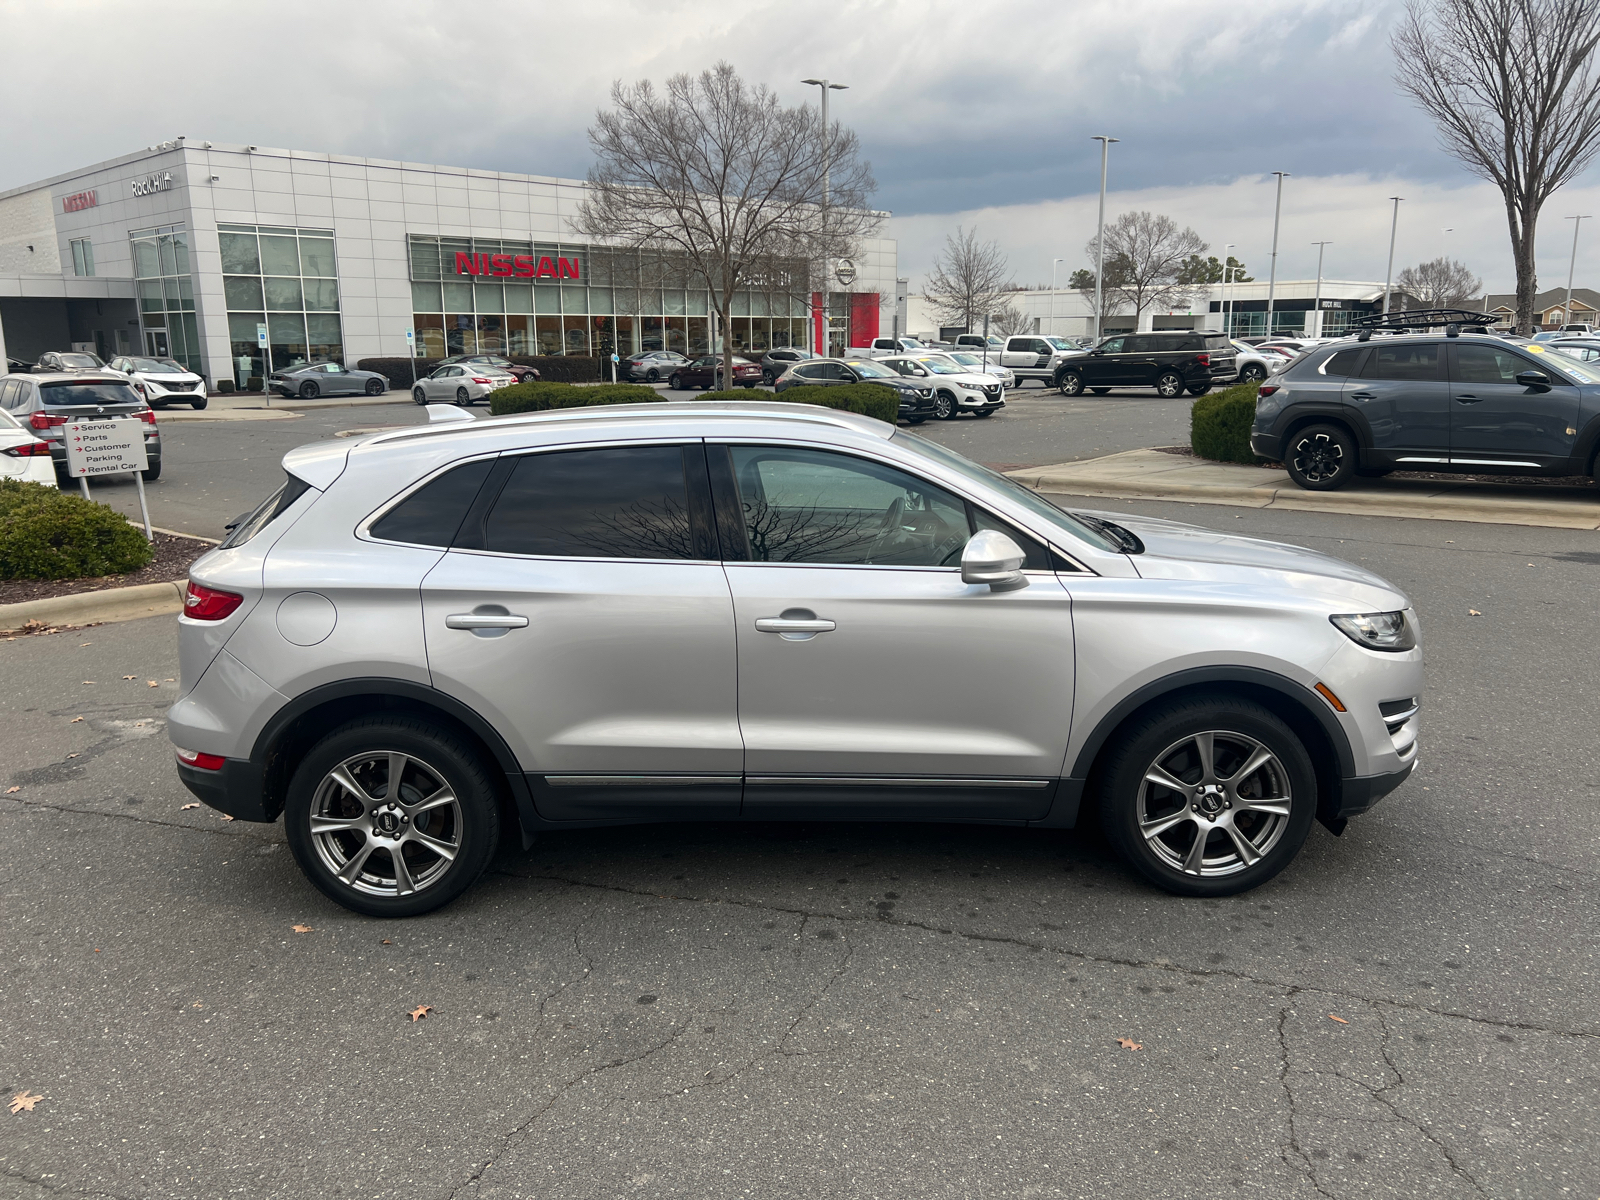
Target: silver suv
point(762, 611)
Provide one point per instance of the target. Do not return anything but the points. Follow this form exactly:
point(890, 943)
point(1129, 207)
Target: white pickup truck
point(1034, 356)
point(885, 346)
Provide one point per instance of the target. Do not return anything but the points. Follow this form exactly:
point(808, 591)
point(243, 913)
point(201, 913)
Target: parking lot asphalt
point(831, 1010)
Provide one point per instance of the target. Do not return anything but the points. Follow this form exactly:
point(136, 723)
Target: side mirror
point(993, 558)
point(1096, 352)
point(1537, 380)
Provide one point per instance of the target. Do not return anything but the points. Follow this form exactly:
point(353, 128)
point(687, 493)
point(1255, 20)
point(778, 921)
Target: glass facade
point(286, 280)
point(167, 326)
point(82, 256)
point(582, 300)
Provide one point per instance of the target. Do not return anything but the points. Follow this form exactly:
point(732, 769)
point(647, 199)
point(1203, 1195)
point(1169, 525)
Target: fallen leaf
point(386, 942)
point(74, 720)
point(24, 1101)
point(172, 681)
point(72, 756)
point(10, 790)
point(1472, 612)
point(130, 677)
point(420, 1011)
point(226, 817)
point(187, 807)
point(1341, 1020)
point(1129, 1044)
point(302, 929)
point(89, 682)
point(97, 949)
point(153, 683)
point(197, 1004)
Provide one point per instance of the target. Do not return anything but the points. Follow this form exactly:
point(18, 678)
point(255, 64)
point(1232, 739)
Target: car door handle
point(793, 625)
point(481, 620)
point(1466, 398)
point(1363, 396)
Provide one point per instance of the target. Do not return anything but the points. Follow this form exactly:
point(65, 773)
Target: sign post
point(261, 341)
point(411, 353)
point(613, 367)
point(109, 447)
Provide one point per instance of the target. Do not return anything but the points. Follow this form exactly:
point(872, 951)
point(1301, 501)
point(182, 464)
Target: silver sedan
point(461, 383)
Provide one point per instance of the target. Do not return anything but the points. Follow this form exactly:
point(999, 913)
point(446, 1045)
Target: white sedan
point(162, 381)
point(23, 457)
point(462, 383)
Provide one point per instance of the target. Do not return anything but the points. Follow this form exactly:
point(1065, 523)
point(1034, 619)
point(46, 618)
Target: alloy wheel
point(1319, 458)
point(1169, 386)
point(386, 824)
point(1214, 804)
point(944, 406)
point(1071, 384)
point(463, 397)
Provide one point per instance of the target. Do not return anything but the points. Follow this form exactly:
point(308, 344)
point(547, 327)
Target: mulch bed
point(173, 556)
point(1561, 481)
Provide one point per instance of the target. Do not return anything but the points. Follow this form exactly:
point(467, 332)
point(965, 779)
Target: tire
point(653, 376)
point(945, 407)
point(432, 759)
point(197, 405)
point(1169, 385)
point(675, 383)
point(1099, 391)
point(152, 473)
point(1252, 373)
point(1199, 389)
point(463, 398)
point(309, 390)
point(768, 378)
point(915, 420)
point(1321, 457)
point(1070, 383)
point(420, 396)
point(1179, 837)
point(986, 412)
point(375, 387)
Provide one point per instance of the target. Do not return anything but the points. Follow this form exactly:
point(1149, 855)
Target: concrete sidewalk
point(1153, 475)
point(235, 406)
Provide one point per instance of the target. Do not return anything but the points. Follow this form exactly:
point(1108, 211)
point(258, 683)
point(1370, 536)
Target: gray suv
point(751, 611)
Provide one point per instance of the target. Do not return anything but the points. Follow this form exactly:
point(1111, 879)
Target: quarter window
point(1344, 363)
point(431, 515)
point(1408, 361)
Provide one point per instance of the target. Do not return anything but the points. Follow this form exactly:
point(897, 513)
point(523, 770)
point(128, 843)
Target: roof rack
point(1418, 320)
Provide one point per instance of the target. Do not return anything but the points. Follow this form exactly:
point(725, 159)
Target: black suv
point(1170, 361)
point(1471, 403)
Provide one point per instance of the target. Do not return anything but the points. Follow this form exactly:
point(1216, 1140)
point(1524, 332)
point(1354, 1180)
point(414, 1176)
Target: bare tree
point(1439, 283)
point(1145, 258)
point(1008, 320)
point(1515, 90)
point(718, 175)
point(1082, 282)
point(967, 279)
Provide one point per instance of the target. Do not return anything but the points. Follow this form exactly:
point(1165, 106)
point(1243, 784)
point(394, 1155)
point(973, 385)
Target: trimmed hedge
point(552, 368)
point(868, 399)
point(538, 397)
point(1219, 425)
point(49, 534)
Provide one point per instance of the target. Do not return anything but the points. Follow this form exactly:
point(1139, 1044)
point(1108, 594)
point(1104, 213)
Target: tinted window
point(812, 372)
point(1139, 345)
point(813, 506)
point(8, 393)
point(828, 370)
point(1344, 363)
point(622, 502)
point(252, 523)
point(87, 393)
point(1112, 345)
point(431, 515)
point(1413, 361)
point(1216, 342)
point(1486, 364)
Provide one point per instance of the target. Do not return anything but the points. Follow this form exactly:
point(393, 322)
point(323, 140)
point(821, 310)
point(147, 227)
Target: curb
point(96, 608)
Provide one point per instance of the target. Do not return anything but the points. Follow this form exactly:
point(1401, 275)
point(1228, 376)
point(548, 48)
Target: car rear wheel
point(1070, 383)
point(1252, 373)
point(1321, 458)
point(1099, 391)
point(309, 391)
point(463, 397)
point(944, 406)
point(653, 376)
point(1208, 796)
point(375, 387)
point(151, 473)
point(392, 816)
point(986, 412)
point(420, 396)
point(1169, 385)
point(1199, 389)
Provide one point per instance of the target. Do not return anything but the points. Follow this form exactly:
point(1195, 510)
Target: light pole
point(1572, 265)
point(1100, 233)
point(1272, 273)
point(1388, 275)
point(1227, 273)
point(1316, 300)
point(827, 163)
point(1054, 266)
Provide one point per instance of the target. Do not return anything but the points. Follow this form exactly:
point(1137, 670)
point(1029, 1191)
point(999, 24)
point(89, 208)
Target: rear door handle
point(1363, 396)
point(485, 620)
point(1466, 398)
point(793, 625)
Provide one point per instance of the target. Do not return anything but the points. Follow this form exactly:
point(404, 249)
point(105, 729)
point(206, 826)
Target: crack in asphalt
point(1382, 1097)
point(138, 820)
point(1292, 1146)
point(60, 1189)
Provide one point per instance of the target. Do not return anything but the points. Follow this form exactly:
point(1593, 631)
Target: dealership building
point(241, 260)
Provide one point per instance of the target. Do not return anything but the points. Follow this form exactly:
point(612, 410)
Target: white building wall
point(28, 234)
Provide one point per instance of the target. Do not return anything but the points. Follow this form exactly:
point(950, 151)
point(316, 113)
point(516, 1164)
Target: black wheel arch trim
point(1297, 416)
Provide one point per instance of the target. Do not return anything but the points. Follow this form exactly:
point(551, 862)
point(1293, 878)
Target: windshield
point(1014, 491)
point(913, 343)
point(965, 359)
point(940, 366)
point(86, 362)
point(1062, 343)
point(1580, 372)
point(87, 393)
point(871, 370)
point(152, 366)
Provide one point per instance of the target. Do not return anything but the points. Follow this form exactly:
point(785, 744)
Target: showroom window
point(82, 256)
point(287, 280)
point(167, 326)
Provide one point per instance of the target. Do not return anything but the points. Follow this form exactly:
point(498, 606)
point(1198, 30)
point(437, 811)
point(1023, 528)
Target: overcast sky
point(969, 113)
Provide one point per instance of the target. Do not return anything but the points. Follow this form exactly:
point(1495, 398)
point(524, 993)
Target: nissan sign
point(79, 201)
point(845, 272)
point(161, 181)
point(519, 266)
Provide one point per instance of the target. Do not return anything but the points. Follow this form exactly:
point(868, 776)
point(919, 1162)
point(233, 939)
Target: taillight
point(1203, 359)
point(1266, 389)
point(206, 762)
point(28, 450)
point(476, 379)
point(44, 420)
point(147, 415)
point(208, 604)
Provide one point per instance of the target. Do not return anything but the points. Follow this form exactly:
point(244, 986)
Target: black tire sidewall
point(419, 396)
point(944, 406)
point(309, 391)
point(1347, 468)
point(1119, 776)
point(1170, 375)
point(443, 752)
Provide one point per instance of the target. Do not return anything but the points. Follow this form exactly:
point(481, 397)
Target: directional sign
point(105, 447)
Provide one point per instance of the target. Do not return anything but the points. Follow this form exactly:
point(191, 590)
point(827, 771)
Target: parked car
point(331, 379)
point(706, 372)
point(1580, 328)
point(161, 381)
point(428, 639)
point(23, 456)
point(463, 385)
point(975, 362)
point(15, 366)
point(1033, 356)
point(651, 366)
point(1584, 349)
point(522, 374)
point(45, 402)
point(1432, 403)
point(1255, 363)
point(916, 395)
point(1171, 361)
point(879, 347)
point(69, 360)
point(956, 389)
point(992, 342)
point(779, 359)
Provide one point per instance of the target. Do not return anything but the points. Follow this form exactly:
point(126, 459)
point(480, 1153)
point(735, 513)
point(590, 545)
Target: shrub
point(1219, 425)
point(225, 386)
point(552, 368)
point(49, 534)
point(869, 399)
point(538, 397)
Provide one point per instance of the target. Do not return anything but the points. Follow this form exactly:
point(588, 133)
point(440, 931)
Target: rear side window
point(1344, 363)
point(431, 515)
point(1217, 342)
point(617, 502)
point(66, 394)
point(1186, 343)
point(1415, 361)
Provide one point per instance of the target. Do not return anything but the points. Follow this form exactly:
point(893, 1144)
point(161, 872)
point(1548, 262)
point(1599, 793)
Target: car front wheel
point(1169, 385)
point(198, 404)
point(1321, 458)
point(675, 383)
point(944, 406)
point(1208, 796)
point(391, 816)
point(1252, 373)
point(420, 396)
point(1070, 383)
point(375, 387)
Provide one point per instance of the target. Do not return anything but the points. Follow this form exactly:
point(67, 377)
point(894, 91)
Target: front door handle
point(793, 625)
point(1466, 398)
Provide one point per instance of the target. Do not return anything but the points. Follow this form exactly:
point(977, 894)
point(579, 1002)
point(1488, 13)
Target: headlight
point(1377, 631)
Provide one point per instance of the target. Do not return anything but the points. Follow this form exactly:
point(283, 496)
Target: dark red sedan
point(523, 374)
point(707, 373)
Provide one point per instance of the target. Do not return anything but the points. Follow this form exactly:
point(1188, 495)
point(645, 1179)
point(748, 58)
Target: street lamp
point(1316, 300)
point(1572, 266)
point(1227, 272)
point(1272, 274)
point(827, 152)
point(1388, 275)
point(1055, 263)
point(1100, 233)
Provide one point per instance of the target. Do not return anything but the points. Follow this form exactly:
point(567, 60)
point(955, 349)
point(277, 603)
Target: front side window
point(815, 506)
point(1112, 345)
point(615, 502)
point(1488, 364)
point(1414, 361)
